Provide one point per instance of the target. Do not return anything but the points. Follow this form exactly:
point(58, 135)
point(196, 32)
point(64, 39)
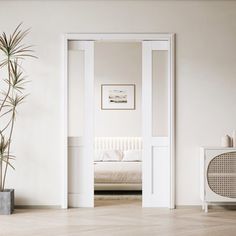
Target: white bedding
point(118, 172)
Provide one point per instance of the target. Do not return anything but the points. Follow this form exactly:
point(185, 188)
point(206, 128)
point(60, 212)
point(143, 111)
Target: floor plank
point(116, 218)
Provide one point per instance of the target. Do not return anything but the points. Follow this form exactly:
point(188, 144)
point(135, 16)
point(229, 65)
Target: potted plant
point(12, 94)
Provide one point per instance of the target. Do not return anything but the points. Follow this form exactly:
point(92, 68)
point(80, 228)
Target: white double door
point(155, 125)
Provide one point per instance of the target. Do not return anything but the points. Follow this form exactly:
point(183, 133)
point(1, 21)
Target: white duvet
point(118, 172)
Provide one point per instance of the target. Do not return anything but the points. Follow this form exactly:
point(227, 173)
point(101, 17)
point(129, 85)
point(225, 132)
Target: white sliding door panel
point(156, 123)
point(81, 124)
point(89, 125)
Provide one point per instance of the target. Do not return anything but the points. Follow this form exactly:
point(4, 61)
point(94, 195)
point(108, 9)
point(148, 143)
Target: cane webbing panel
point(221, 175)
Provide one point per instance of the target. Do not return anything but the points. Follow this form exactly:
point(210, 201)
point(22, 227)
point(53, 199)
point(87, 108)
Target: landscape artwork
point(118, 97)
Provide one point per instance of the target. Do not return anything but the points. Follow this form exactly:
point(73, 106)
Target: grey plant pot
point(7, 202)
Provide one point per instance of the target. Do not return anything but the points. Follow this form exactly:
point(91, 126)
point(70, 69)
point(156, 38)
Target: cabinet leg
point(206, 207)
point(203, 206)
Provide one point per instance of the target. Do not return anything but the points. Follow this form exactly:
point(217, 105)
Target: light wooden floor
point(119, 218)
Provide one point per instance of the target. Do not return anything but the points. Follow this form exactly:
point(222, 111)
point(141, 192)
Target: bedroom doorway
point(118, 122)
point(157, 143)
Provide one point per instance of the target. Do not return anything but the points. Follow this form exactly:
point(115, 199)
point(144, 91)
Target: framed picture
point(118, 97)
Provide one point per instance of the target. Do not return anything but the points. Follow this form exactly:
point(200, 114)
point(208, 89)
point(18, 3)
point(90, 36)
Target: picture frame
point(118, 96)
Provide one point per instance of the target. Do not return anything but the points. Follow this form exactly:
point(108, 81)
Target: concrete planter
point(7, 202)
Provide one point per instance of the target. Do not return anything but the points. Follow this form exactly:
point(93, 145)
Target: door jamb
point(135, 37)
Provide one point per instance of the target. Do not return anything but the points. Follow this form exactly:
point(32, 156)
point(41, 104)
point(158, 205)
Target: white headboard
point(118, 143)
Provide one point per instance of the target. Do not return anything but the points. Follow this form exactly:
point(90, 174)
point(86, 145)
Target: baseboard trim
point(187, 206)
point(210, 206)
point(229, 205)
point(106, 197)
point(37, 207)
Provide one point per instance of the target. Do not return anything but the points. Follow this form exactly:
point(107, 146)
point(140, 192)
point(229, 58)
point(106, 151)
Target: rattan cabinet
point(217, 175)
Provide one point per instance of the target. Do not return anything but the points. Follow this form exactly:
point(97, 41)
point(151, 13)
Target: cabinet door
point(220, 175)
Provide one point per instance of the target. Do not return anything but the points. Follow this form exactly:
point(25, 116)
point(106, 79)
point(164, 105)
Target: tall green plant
point(12, 92)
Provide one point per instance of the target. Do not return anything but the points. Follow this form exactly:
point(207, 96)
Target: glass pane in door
point(159, 93)
point(75, 90)
point(76, 77)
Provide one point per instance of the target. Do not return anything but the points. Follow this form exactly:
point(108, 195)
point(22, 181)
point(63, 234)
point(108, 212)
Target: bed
point(118, 175)
point(118, 164)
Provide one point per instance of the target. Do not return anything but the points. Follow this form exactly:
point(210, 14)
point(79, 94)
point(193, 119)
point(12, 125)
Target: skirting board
point(117, 197)
point(229, 206)
point(187, 207)
point(210, 206)
point(37, 207)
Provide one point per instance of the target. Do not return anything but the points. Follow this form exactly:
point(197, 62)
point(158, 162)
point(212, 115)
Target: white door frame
point(136, 37)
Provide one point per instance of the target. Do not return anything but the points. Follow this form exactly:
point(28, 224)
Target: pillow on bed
point(132, 155)
point(108, 155)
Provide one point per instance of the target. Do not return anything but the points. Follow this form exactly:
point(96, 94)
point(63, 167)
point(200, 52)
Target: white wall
point(205, 76)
